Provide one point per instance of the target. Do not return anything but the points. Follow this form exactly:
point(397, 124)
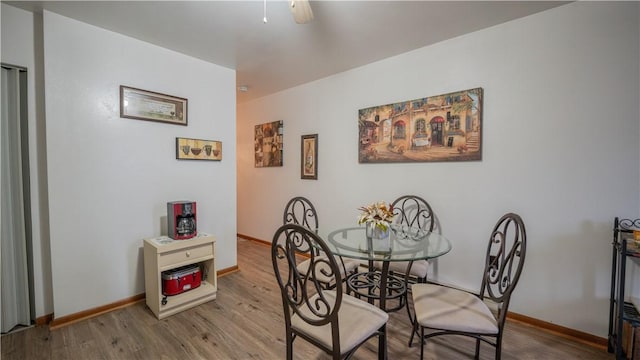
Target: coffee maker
point(181, 218)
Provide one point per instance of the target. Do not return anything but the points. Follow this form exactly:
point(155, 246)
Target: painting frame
point(446, 127)
point(153, 106)
point(309, 157)
point(198, 149)
point(269, 144)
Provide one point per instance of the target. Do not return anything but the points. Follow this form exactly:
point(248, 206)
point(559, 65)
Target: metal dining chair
point(413, 211)
point(300, 211)
point(334, 322)
point(447, 311)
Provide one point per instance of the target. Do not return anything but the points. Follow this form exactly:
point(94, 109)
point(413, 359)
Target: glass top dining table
point(403, 243)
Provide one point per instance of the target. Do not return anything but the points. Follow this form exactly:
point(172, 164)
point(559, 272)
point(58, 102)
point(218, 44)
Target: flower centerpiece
point(377, 217)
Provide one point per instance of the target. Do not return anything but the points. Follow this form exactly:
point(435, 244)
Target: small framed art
point(197, 149)
point(152, 106)
point(309, 157)
point(268, 144)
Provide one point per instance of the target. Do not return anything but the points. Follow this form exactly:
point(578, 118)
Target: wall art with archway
point(444, 127)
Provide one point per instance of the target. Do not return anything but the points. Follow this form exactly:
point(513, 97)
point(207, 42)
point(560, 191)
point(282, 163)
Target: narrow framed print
point(152, 106)
point(309, 157)
point(198, 149)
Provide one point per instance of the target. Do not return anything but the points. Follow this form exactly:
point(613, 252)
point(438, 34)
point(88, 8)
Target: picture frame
point(309, 157)
point(198, 149)
point(445, 127)
point(268, 144)
point(152, 106)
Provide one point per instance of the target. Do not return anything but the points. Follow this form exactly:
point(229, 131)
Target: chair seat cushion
point(419, 269)
point(349, 265)
point(357, 320)
point(441, 307)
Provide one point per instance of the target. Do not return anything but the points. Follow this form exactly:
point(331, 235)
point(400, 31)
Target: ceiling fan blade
point(301, 10)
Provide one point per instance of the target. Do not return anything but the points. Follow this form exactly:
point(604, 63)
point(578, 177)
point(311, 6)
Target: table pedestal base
point(369, 284)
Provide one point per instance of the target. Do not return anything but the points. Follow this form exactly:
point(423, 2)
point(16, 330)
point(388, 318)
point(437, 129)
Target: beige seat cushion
point(349, 265)
point(357, 320)
point(450, 309)
point(419, 269)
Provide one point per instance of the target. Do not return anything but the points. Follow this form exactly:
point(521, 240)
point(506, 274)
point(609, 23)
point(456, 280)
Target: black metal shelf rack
point(622, 249)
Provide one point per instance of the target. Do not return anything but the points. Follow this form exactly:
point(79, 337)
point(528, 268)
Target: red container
point(179, 280)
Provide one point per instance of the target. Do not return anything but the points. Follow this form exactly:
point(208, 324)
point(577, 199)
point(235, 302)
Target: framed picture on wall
point(445, 127)
point(197, 149)
point(268, 144)
point(309, 157)
point(152, 106)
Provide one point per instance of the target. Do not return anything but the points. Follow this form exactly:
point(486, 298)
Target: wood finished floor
point(245, 322)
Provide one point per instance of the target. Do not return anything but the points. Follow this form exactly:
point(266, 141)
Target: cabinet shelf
point(631, 314)
point(632, 249)
point(176, 303)
point(162, 254)
point(619, 310)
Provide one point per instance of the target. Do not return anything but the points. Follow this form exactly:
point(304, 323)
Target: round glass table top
point(403, 243)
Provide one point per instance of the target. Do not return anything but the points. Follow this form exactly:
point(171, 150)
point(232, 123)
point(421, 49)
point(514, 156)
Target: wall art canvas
point(268, 144)
point(309, 157)
point(152, 106)
point(198, 149)
point(444, 127)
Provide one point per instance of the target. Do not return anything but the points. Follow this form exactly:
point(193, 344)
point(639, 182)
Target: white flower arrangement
point(377, 213)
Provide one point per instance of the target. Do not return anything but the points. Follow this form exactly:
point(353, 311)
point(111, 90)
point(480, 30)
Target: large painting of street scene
point(437, 128)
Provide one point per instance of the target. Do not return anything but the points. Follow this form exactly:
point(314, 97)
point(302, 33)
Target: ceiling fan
point(301, 10)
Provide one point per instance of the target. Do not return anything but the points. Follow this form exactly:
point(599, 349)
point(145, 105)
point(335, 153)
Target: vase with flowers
point(377, 218)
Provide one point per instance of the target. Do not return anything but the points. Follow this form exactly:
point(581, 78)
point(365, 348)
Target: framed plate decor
point(152, 106)
point(309, 157)
point(444, 127)
point(268, 144)
point(197, 149)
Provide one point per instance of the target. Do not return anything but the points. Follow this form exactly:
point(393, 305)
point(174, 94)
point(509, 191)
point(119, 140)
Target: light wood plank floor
point(245, 322)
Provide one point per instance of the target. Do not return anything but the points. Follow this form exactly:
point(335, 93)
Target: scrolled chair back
point(413, 211)
point(300, 211)
point(504, 260)
point(302, 293)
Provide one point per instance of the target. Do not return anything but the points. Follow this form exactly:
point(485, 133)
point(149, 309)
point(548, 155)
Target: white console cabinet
point(163, 253)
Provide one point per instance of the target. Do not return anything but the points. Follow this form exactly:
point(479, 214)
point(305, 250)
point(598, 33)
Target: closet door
point(14, 278)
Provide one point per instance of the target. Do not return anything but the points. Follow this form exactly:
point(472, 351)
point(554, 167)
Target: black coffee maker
point(181, 218)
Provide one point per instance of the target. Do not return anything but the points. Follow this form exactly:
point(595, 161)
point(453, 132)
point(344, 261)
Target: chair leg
point(289, 345)
point(406, 300)
point(477, 349)
point(336, 354)
point(421, 343)
point(414, 329)
point(382, 343)
point(412, 317)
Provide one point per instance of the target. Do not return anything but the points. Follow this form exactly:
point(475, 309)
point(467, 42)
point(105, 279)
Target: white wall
point(19, 43)
point(560, 147)
point(109, 177)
